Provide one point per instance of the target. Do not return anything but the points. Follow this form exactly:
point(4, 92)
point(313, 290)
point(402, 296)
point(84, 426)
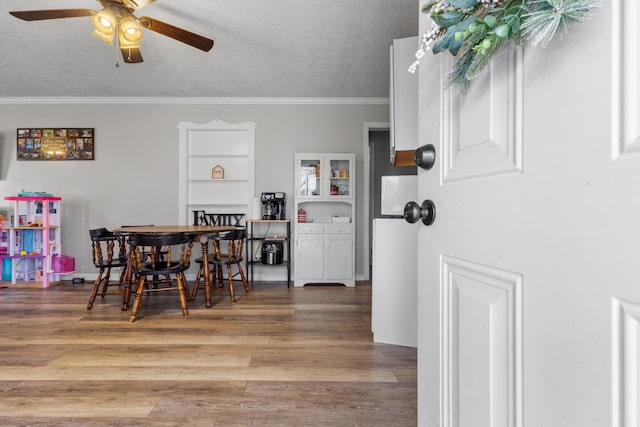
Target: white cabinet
point(324, 254)
point(403, 99)
point(34, 256)
point(394, 289)
point(325, 198)
point(216, 169)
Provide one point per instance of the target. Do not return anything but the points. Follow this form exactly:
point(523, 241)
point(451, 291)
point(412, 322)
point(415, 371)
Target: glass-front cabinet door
point(325, 176)
point(340, 174)
point(309, 177)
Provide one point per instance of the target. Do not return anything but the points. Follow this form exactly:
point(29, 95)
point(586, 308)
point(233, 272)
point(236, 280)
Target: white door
point(529, 294)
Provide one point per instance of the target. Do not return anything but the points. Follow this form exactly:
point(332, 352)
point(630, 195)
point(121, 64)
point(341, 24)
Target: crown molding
point(192, 100)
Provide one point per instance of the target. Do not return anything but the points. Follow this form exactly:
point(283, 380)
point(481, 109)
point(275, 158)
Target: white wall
point(134, 177)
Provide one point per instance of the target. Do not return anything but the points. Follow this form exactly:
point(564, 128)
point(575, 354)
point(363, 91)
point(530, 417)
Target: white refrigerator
point(394, 311)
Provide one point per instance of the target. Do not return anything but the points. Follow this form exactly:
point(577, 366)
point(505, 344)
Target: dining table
point(199, 233)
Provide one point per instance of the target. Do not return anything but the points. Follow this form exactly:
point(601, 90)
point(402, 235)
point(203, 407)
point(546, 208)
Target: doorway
point(377, 165)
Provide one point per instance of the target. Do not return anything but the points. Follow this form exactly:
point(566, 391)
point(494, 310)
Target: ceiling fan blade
point(184, 36)
point(38, 15)
point(131, 55)
point(137, 4)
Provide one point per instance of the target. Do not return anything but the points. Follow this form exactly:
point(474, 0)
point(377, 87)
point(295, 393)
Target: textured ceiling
point(263, 48)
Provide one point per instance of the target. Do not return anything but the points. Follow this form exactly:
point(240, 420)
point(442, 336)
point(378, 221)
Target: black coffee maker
point(273, 205)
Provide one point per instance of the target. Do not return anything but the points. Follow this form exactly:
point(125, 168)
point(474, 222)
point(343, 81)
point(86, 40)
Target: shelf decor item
point(474, 30)
point(55, 143)
point(217, 172)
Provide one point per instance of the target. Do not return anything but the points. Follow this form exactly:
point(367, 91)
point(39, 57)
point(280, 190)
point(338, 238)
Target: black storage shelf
point(251, 238)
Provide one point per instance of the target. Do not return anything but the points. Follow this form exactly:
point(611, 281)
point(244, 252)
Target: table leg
point(206, 271)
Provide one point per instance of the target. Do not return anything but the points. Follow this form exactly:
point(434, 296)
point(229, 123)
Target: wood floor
point(279, 357)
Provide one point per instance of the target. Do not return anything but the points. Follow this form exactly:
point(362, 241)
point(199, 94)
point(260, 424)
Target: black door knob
point(413, 212)
point(425, 156)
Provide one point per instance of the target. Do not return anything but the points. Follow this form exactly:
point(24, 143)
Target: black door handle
point(425, 156)
point(413, 212)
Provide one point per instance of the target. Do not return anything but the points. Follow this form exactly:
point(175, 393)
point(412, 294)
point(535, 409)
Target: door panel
point(339, 258)
point(626, 63)
point(309, 256)
point(482, 131)
point(482, 359)
point(626, 361)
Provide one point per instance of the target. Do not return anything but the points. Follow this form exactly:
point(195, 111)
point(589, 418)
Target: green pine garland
point(476, 29)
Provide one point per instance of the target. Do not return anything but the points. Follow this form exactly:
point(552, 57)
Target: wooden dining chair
point(227, 251)
point(107, 251)
point(148, 266)
point(161, 253)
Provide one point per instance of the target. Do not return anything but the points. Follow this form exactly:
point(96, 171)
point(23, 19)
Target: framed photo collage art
point(55, 143)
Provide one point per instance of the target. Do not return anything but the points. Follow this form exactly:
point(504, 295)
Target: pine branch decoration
point(547, 17)
point(477, 29)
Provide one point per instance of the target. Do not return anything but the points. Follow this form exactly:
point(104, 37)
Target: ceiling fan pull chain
point(116, 52)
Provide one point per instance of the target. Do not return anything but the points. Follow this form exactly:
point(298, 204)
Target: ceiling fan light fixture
point(129, 30)
point(107, 38)
point(104, 25)
point(118, 17)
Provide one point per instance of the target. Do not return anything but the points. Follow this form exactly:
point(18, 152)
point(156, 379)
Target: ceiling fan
point(117, 18)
